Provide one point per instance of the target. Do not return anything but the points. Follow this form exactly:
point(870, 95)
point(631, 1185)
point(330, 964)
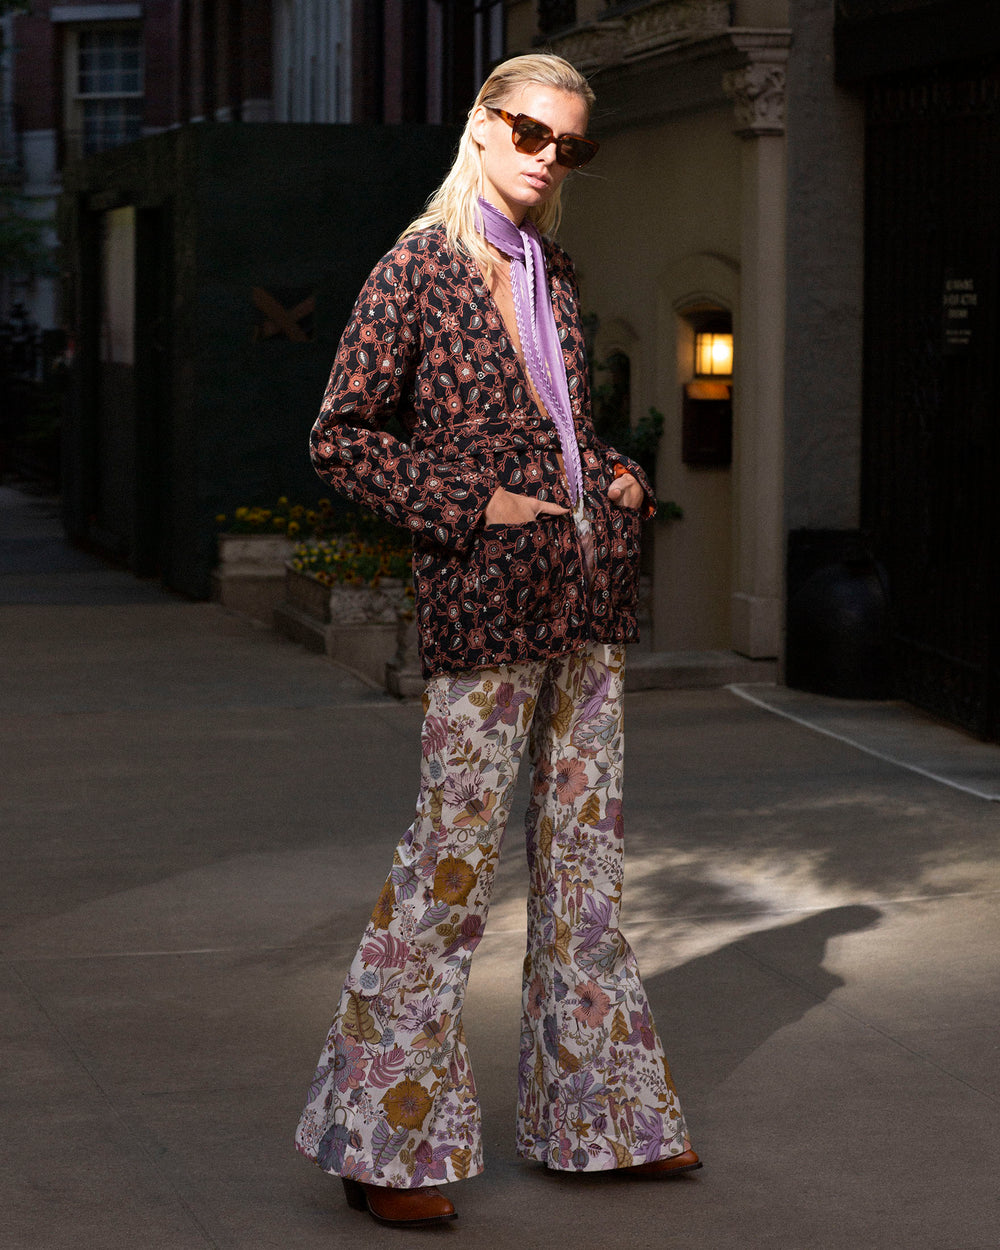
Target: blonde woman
point(526, 532)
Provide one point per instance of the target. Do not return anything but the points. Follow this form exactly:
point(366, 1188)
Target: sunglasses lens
point(531, 136)
point(574, 152)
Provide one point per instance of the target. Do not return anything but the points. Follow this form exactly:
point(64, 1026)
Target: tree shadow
point(742, 793)
point(714, 1011)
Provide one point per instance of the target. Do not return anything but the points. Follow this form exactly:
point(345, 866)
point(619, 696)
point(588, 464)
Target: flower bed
point(338, 548)
point(346, 596)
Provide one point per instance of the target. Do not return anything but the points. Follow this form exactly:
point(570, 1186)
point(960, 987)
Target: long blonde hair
point(453, 204)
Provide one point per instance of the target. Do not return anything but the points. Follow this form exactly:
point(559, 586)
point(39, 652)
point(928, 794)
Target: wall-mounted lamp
point(707, 431)
point(713, 353)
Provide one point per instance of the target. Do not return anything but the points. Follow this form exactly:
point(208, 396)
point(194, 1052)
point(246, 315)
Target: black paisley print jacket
point(427, 342)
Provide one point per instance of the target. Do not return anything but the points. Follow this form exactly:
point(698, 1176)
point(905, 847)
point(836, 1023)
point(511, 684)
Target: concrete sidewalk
point(197, 817)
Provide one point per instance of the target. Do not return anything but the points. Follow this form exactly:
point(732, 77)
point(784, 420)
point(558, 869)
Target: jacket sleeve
point(612, 457)
point(372, 379)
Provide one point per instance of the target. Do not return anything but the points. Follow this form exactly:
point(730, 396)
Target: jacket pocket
point(512, 571)
point(617, 547)
point(626, 548)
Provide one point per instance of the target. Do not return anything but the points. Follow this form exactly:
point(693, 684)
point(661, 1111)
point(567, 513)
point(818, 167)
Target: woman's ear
point(480, 120)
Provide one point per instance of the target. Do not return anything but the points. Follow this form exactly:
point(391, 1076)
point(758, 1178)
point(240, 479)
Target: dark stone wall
point(876, 37)
point(825, 284)
point(223, 414)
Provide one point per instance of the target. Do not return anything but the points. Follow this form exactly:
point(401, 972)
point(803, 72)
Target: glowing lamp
point(713, 354)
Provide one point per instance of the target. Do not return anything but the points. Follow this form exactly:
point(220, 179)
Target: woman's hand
point(507, 509)
point(626, 492)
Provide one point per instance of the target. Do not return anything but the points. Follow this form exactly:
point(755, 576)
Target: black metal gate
point(932, 428)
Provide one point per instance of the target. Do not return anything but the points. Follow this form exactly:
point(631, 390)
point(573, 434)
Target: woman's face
point(513, 181)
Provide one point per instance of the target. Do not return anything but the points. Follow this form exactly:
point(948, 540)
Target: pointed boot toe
point(671, 1166)
point(411, 1208)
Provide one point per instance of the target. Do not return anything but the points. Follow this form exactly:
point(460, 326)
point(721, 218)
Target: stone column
point(758, 93)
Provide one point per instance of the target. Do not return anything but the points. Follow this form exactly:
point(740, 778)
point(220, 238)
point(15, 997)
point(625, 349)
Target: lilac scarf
point(536, 327)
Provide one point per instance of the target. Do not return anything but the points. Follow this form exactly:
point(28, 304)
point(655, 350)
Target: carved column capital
point(757, 89)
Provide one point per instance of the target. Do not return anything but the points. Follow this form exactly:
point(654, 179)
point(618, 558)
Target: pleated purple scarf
point(536, 327)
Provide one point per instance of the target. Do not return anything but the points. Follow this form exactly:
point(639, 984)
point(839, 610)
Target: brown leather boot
point(412, 1208)
point(686, 1162)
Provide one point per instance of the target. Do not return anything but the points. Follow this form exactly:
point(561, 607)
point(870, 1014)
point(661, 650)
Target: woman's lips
point(538, 181)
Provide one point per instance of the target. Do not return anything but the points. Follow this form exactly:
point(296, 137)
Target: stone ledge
point(300, 627)
point(363, 649)
point(693, 670)
point(250, 591)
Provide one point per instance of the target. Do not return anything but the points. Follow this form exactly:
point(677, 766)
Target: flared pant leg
point(393, 1100)
point(595, 1088)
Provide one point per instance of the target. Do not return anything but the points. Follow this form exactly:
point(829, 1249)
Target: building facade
point(810, 182)
point(680, 224)
point(927, 77)
point(210, 264)
point(822, 173)
point(78, 78)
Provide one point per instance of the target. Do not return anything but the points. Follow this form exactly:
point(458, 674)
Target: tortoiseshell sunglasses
point(530, 136)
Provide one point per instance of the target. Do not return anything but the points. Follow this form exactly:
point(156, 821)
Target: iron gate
point(931, 487)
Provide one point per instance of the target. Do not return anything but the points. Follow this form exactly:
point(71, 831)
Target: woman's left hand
point(626, 492)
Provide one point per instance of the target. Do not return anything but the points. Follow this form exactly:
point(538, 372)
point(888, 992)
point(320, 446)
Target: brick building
point(281, 148)
point(79, 78)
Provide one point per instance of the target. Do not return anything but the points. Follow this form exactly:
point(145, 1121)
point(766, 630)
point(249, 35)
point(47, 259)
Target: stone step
point(694, 670)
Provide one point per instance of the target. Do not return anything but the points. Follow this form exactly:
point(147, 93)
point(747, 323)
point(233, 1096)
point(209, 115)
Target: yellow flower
point(220, 518)
point(283, 502)
point(242, 513)
point(453, 879)
point(278, 522)
point(293, 527)
point(407, 1104)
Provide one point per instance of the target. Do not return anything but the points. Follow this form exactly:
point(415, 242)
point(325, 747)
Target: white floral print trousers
point(393, 1100)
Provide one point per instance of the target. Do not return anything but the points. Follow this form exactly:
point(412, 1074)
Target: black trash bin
point(838, 619)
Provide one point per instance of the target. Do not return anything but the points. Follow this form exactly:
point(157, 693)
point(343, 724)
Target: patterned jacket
point(426, 342)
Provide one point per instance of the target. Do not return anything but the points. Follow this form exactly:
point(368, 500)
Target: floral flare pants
point(393, 1100)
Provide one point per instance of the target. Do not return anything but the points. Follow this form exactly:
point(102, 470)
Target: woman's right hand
point(507, 509)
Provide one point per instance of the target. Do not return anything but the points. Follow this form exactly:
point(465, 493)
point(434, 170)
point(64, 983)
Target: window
point(105, 87)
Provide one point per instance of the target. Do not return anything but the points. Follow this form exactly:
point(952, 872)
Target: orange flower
point(382, 915)
point(434, 1033)
point(406, 1105)
point(571, 779)
point(453, 879)
point(476, 812)
point(594, 1004)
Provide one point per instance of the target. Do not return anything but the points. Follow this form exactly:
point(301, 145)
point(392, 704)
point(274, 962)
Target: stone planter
point(402, 673)
point(250, 574)
point(356, 626)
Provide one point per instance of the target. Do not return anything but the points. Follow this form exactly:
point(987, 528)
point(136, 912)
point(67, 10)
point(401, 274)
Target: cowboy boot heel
point(414, 1208)
point(354, 1194)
